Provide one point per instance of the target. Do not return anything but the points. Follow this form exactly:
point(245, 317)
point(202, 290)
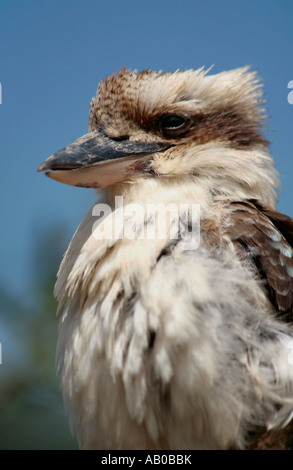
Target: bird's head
point(166, 125)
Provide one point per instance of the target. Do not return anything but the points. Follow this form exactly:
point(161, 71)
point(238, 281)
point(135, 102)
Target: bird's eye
point(172, 125)
point(171, 122)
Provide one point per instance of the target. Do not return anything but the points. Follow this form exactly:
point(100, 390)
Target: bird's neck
point(207, 188)
point(160, 191)
point(210, 190)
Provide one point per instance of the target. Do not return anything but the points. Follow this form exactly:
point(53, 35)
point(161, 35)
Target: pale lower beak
point(95, 160)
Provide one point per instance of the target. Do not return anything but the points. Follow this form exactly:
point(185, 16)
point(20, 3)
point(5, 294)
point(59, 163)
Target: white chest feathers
point(163, 347)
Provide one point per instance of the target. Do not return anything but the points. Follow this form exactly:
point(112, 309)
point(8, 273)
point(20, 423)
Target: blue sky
point(53, 55)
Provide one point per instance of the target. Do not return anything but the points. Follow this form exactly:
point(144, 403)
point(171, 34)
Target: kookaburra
point(165, 344)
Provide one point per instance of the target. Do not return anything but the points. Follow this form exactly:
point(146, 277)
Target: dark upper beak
point(95, 160)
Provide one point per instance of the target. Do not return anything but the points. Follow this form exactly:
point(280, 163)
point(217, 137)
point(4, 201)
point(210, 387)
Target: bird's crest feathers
point(141, 95)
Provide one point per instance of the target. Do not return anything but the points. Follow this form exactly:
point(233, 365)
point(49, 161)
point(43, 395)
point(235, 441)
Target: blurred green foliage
point(32, 415)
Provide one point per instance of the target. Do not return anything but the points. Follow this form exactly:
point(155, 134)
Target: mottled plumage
point(255, 233)
point(163, 344)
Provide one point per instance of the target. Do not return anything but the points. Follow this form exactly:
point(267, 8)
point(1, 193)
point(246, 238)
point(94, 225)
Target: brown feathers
point(227, 125)
point(278, 439)
point(265, 238)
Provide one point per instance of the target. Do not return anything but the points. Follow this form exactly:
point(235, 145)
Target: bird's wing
point(266, 238)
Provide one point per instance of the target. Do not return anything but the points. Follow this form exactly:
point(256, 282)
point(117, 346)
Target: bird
point(182, 339)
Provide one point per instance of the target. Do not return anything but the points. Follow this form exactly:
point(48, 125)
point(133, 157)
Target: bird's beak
point(96, 161)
